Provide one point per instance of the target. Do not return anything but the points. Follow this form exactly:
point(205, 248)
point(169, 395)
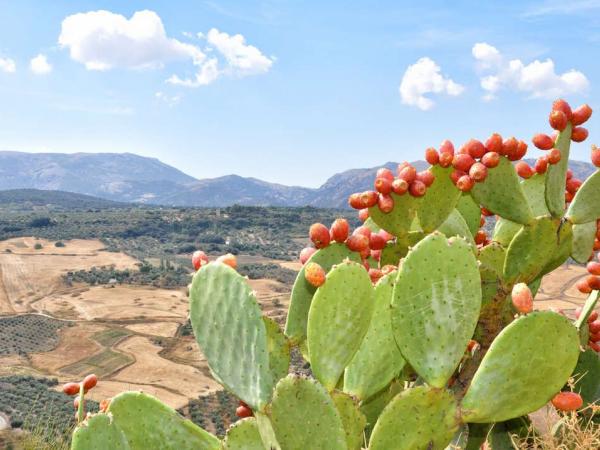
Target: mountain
point(126, 177)
point(33, 198)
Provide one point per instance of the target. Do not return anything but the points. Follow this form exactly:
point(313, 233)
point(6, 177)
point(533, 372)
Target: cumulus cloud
point(8, 65)
point(424, 77)
point(206, 74)
point(102, 40)
point(40, 65)
point(244, 59)
point(538, 79)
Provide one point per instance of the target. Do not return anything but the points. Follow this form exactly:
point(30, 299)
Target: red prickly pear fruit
point(363, 214)
point(569, 174)
point(231, 261)
point(432, 156)
point(104, 404)
point(447, 147)
point(446, 159)
point(596, 244)
point(243, 411)
point(306, 253)
point(400, 186)
point(388, 268)
point(522, 299)
point(510, 147)
point(407, 173)
point(475, 148)
point(595, 337)
point(365, 231)
point(569, 197)
point(563, 106)
point(494, 143)
point(355, 201)
point(543, 141)
point(579, 134)
point(199, 258)
point(478, 172)
point(319, 235)
point(594, 346)
point(417, 188)
point(426, 177)
point(89, 382)
point(357, 242)
point(593, 268)
point(465, 183)
point(573, 185)
point(385, 203)
point(386, 174)
point(524, 170)
point(71, 388)
point(376, 254)
point(541, 165)
point(593, 316)
point(339, 230)
point(369, 199)
point(314, 274)
point(594, 326)
point(456, 174)
point(480, 237)
point(583, 287)
point(593, 282)
point(472, 345)
point(491, 159)
point(554, 156)
point(482, 221)
point(383, 185)
point(567, 401)
point(377, 242)
point(595, 156)
point(558, 120)
point(387, 236)
point(521, 151)
point(375, 275)
point(581, 115)
point(486, 212)
point(463, 162)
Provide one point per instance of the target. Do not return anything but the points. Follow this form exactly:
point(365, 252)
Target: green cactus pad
point(492, 256)
point(373, 406)
point(563, 249)
point(460, 439)
point(399, 220)
point(378, 360)
point(502, 194)
point(243, 435)
point(303, 291)
point(583, 241)
point(228, 326)
point(478, 433)
point(587, 377)
point(353, 419)
point(505, 231)
point(338, 320)
point(148, 423)
point(393, 252)
point(265, 429)
point(304, 416)
point(587, 309)
point(534, 189)
point(278, 348)
point(439, 200)
point(585, 207)
point(528, 362)
point(418, 418)
point(556, 176)
point(371, 225)
point(99, 432)
point(471, 212)
point(435, 306)
point(530, 250)
point(455, 225)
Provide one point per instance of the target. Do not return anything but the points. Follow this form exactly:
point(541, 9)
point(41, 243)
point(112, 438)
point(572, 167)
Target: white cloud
point(422, 78)
point(559, 7)
point(170, 100)
point(538, 78)
point(102, 40)
point(243, 59)
point(40, 65)
point(8, 65)
point(207, 73)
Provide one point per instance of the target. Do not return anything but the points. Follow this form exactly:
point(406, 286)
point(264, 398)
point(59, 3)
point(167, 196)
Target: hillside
point(31, 198)
point(126, 177)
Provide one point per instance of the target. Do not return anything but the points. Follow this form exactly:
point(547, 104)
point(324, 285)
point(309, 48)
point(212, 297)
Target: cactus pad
point(534, 189)
point(419, 418)
point(556, 176)
point(338, 320)
point(399, 220)
point(99, 432)
point(304, 416)
point(303, 291)
point(278, 348)
point(587, 376)
point(228, 325)
point(528, 362)
point(502, 194)
point(372, 407)
point(353, 419)
point(243, 435)
point(530, 250)
point(587, 309)
point(455, 225)
point(470, 211)
point(148, 423)
point(378, 360)
point(563, 249)
point(435, 306)
point(439, 200)
point(585, 207)
point(583, 241)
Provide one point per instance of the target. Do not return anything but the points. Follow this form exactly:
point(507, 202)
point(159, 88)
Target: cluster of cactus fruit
point(421, 331)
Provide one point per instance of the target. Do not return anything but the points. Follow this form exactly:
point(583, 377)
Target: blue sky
point(308, 89)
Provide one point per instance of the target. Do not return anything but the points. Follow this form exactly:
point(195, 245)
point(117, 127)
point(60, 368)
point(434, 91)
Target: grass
point(102, 364)
point(110, 337)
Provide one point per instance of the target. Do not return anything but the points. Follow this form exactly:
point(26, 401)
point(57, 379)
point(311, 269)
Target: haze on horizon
point(287, 92)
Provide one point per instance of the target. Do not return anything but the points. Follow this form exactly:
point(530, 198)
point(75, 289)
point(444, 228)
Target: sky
point(289, 91)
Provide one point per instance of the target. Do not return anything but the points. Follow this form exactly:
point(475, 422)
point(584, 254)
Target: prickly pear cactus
point(420, 329)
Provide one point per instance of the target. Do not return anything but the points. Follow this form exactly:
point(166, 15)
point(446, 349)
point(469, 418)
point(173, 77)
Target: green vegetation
point(269, 271)
point(102, 364)
point(213, 412)
point(29, 333)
